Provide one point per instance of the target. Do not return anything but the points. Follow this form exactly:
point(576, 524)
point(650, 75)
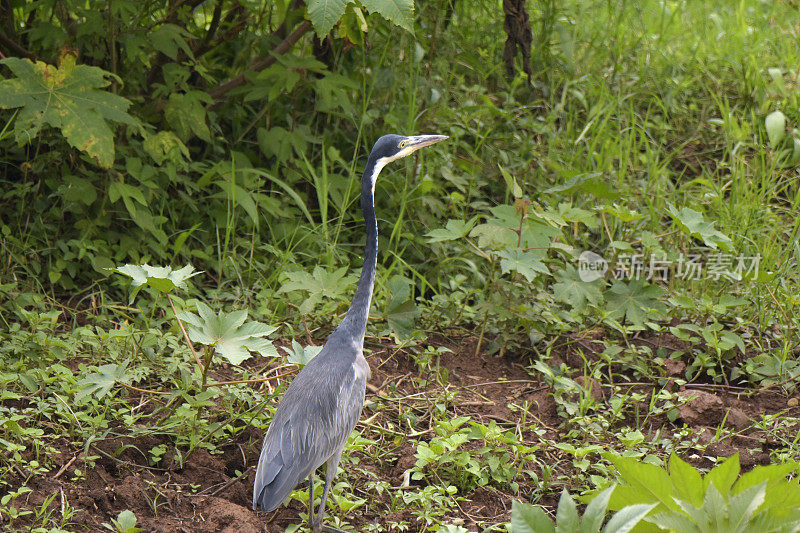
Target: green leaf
point(687, 482)
point(723, 475)
point(239, 196)
point(774, 475)
point(693, 224)
point(527, 518)
point(526, 263)
point(125, 191)
point(300, 355)
point(595, 512)
point(776, 127)
point(231, 337)
point(323, 14)
point(455, 229)
point(743, 506)
point(400, 12)
point(634, 301)
point(646, 483)
point(673, 521)
point(567, 518)
point(401, 309)
point(168, 38)
point(621, 213)
point(165, 145)
point(163, 279)
point(100, 383)
point(626, 518)
point(511, 183)
point(571, 289)
point(187, 116)
point(66, 98)
point(126, 522)
point(76, 189)
point(320, 283)
point(593, 183)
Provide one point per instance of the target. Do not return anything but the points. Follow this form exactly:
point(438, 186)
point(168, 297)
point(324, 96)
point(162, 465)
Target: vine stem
point(186, 336)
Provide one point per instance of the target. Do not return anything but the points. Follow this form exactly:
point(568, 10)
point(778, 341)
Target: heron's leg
point(311, 499)
point(333, 464)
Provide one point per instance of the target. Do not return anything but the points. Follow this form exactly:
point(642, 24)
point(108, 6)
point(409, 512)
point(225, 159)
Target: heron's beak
point(415, 142)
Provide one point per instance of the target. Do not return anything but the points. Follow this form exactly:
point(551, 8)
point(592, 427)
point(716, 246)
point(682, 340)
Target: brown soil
point(205, 496)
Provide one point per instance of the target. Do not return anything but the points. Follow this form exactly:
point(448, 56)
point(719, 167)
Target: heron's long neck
point(355, 321)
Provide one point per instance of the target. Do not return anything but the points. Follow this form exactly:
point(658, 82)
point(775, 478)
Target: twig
point(256, 380)
point(64, 468)
point(218, 92)
point(14, 47)
point(232, 481)
point(143, 391)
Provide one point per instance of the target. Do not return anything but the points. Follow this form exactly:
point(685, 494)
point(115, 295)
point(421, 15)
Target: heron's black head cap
point(391, 147)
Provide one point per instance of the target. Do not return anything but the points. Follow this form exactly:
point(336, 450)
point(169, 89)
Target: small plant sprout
point(125, 522)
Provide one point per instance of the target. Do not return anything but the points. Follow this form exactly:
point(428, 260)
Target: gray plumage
point(323, 403)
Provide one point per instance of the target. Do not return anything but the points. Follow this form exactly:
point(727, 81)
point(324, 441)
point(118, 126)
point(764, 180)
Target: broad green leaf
point(646, 483)
point(693, 224)
point(168, 38)
point(231, 337)
point(526, 263)
point(300, 355)
point(125, 191)
point(776, 127)
point(455, 229)
point(567, 518)
point(511, 183)
point(76, 189)
point(772, 474)
point(687, 482)
point(742, 506)
point(673, 521)
point(621, 213)
point(165, 145)
point(592, 183)
point(723, 475)
point(320, 283)
point(595, 512)
point(571, 289)
point(187, 116)
point(570, 213)
point(634, 301)
point(67, 98)
point(400, 12)
point(323, 14)
point(492, 236)
point(100, 383)
point(401, 309)
point(126, 522)
point(527, 518)
point(239, 196)
point(628, 517)
point(163, 279)
point(333, 92)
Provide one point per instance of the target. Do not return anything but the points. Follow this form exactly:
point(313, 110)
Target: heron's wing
point(312, 422)
point(290, 452)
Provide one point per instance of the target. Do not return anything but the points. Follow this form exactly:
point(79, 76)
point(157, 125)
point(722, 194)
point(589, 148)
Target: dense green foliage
point(225, 135)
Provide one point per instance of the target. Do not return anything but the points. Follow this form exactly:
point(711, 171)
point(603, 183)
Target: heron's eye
point(402, 143)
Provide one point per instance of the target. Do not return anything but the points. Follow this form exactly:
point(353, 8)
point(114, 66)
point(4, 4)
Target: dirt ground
point(204, 495)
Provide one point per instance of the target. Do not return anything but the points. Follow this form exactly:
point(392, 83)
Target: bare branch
point(13, 47)
point(218, 92)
